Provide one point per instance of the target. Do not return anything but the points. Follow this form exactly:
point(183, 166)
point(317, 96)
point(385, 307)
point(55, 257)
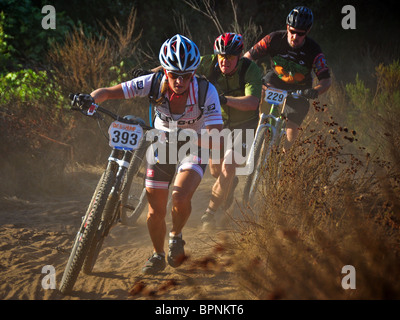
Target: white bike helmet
point(179, 54)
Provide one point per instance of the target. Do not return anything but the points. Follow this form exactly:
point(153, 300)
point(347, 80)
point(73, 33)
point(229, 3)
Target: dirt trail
point(39, 232)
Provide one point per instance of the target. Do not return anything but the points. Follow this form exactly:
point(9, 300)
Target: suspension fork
point(118, 161)
point(122, 159)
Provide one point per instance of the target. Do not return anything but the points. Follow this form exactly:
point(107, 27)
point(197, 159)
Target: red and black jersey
point(291, 65)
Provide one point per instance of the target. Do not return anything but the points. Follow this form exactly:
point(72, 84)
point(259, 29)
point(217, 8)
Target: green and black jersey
point(232, 85)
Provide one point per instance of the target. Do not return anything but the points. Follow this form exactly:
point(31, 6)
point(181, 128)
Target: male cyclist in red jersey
point(294, 56)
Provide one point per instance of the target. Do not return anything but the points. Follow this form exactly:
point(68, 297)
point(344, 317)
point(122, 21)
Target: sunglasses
point(227, 56)
point(184, 76)
point(299, 33)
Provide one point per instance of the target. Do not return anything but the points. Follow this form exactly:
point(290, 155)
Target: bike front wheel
point(87, 232)
point(107, 220)
point(133, 195)
point(261, 149)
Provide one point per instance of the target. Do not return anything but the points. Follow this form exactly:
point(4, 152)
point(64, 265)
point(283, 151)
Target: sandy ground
point(39, 232)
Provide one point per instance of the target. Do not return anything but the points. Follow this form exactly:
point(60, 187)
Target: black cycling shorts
point(161, 171)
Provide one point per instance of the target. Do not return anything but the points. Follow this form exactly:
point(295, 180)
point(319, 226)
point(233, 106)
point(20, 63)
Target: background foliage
point(336, 201)
point(97, 43)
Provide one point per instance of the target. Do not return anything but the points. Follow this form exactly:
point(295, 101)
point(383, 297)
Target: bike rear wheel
point(133, 196)
point(87, 232)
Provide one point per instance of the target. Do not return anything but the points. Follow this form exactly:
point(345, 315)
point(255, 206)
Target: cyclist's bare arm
point(159, 68)
point(103, 94)
point(323, 85)
point(244, 103)
point(247, 55)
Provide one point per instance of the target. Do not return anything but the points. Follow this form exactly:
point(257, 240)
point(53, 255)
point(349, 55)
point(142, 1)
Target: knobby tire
point(134, 192)
point(107, 219)
point(260, 149)
point(87, 232)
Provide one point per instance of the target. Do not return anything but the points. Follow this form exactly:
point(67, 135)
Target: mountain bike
point(104, 211)
point(269, 133)
point(133, 195)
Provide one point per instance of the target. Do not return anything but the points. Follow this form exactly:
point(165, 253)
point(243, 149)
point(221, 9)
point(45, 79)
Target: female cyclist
point(177, 106)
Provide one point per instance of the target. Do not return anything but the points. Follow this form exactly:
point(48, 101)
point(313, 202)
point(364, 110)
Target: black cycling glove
point(81, 100)
point(310, 94)
point(222, 99)
point(85, 100)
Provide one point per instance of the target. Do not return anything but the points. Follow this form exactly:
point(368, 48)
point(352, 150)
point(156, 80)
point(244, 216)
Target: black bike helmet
point(300, 18)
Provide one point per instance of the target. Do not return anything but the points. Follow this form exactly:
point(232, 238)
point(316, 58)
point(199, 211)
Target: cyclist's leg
point(158, 199)
point(292, 132)
point(186, 182)
point(295, 112)
point(158, 179)
point(215, 168)
point(226, 181)
point(223, 183)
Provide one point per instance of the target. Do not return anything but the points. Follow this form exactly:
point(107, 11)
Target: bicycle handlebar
point(78, 105)
point(294, 93)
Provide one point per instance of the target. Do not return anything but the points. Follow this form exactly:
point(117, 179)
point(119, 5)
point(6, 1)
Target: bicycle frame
point(270, 129)
point(273, 122)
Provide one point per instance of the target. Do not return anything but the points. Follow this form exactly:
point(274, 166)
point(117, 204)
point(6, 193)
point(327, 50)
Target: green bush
point(23, 22)
point(373, 109)
point(29, 86)
point(6, 50)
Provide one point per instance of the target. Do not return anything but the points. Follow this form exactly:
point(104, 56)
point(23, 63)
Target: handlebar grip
point(74, 101)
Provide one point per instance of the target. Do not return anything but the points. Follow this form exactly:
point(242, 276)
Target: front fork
point(122, 159)
point(273, 121)
point(119, 161)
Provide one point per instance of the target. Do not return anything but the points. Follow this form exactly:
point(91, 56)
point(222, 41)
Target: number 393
point(125, 137)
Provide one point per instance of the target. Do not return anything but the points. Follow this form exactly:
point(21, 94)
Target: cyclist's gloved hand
point(85, 100)
point(138, 72)
point(310, 94)
point(222, 99)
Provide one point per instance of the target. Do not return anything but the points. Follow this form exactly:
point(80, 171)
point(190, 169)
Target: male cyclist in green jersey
point(239, 83)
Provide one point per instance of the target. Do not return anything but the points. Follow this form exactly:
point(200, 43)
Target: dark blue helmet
point(300, 18)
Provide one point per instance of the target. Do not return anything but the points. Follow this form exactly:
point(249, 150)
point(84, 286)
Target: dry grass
point(332, 204)
point(84, 62)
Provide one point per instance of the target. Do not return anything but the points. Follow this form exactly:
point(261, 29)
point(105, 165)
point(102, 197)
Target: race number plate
point(125, 136)
point(275, 96)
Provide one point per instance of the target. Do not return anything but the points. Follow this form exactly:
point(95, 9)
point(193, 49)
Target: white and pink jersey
point(191, 118)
